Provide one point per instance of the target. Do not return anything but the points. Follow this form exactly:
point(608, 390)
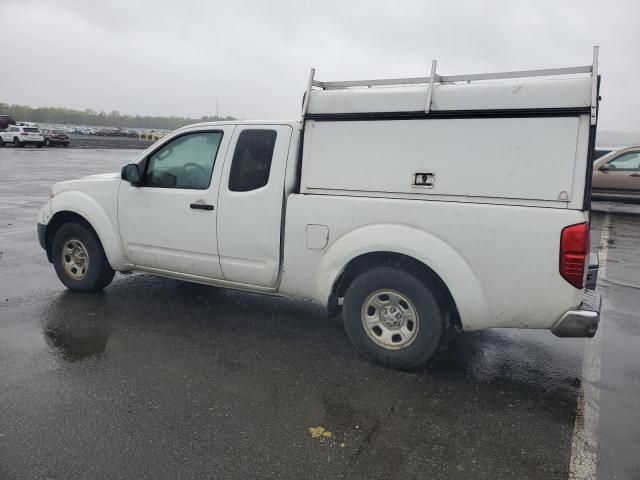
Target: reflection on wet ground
point(74, 329)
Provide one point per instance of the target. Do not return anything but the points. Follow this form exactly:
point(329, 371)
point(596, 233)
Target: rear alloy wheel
point(390, 319)
point(393, 318)
point(47, 142)
point(79, 259)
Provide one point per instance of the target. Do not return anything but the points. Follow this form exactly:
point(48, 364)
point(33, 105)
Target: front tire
point(393, 318)
point(79, 259)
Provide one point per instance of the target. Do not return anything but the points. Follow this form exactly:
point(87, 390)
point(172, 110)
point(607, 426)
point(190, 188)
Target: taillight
point(24, 133)
point(574, 254)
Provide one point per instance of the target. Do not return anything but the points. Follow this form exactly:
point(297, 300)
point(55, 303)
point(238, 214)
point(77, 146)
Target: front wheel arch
point(57, 221)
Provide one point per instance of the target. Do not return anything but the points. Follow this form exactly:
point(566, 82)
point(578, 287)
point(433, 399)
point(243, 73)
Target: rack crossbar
point(454, 78)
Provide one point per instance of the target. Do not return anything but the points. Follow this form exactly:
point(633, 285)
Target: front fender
point(447, 263)
point(103, 222)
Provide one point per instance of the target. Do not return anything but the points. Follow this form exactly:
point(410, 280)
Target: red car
point(55, 137)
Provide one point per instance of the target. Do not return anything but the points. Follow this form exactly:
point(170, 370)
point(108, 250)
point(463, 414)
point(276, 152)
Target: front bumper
point(582, 322)
point(42, 232)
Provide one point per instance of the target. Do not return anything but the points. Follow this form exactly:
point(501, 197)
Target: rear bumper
point(592, 273)
point(582, 322)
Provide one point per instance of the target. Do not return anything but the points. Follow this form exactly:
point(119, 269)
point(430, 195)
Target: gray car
point(616, 176)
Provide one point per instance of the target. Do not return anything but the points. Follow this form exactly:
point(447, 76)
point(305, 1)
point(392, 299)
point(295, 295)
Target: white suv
point(21, 136)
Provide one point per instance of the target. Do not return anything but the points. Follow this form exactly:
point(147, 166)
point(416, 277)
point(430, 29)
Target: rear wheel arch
point(427, 276)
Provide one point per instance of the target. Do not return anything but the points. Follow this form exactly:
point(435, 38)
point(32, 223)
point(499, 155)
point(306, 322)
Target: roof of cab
point(291, 123)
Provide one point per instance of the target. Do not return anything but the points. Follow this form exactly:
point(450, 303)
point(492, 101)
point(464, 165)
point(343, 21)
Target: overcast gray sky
point(176, 57)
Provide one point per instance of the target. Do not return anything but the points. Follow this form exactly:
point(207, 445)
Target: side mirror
point(605, 168)
point(131, 174)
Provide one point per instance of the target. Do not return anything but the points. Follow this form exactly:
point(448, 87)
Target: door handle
point(201, 206)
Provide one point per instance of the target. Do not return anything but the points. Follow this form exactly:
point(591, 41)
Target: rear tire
point(47, 142)
point(393, 318)
point(79, 259)
point(16, 142)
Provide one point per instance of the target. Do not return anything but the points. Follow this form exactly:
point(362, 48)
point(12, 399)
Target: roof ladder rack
point(594, 86)
point(434, 78)
point(305, 101)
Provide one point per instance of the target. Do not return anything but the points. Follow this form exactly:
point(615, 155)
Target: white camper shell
point(514, 138)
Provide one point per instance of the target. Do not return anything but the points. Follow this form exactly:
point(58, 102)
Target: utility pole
point(217, 115)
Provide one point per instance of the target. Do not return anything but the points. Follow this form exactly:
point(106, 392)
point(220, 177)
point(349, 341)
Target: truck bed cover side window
point(252, 160)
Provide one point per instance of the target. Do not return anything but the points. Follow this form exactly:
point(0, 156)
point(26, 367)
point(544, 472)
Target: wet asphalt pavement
point(156, 378)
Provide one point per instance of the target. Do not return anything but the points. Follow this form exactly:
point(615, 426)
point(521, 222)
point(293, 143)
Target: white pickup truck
point(416, 207)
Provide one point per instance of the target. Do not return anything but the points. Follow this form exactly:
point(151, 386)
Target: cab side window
point(626, 162)
point(252, 160)
point(185, 162)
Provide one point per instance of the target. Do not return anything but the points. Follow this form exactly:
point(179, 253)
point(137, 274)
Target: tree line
point(99, 119)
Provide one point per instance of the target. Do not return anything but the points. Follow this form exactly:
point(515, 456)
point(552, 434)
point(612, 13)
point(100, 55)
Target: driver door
point(169, 222)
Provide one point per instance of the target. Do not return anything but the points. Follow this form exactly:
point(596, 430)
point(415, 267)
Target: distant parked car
point(107, 132)
point(5, 121)
point(616, 176)
point(21, 136)
point(129, 133)
point(55, 136)
point(29, 124)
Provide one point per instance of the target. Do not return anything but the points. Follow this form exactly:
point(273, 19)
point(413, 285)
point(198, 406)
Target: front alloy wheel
point(75, 259)
point(79, 258)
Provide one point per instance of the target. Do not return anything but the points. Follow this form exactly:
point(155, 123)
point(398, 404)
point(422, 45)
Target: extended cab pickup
point(416, 207)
